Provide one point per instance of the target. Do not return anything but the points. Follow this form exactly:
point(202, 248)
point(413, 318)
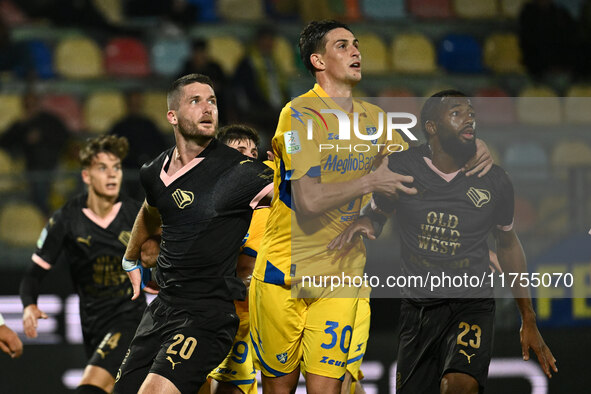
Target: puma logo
point(102, 354)
point(467, 356)
point(84, 240)
point(246, 161)
point(172, 362)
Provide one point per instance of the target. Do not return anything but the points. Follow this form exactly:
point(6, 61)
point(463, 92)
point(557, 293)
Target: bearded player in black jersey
point(91, 231)
point(201, 193)
point(446, 333)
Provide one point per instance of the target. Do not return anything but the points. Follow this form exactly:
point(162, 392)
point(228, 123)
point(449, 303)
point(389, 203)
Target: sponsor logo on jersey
point(85, 241)
point(350, 163)
point(124, 237)
point(282, 357)
point(182, 198)
point(467, 356)
point(479, 197)
point(172, 362)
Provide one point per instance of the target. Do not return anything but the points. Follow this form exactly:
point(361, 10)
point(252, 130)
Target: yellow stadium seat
point(102, 109)
point(283, 55)
point(471, 9)
point(12, 110)
point(539, 106)
point(502, 53)
point(577, 104)
point(227, 51)
point(413, 54)
point(375, 53)
point(20, 224)
point(571, 153)
point(241, 10)
point(511, 8)
point(155, 108)
point(78, 57)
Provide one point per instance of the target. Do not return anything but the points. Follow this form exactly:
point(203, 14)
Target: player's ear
point(317, 61)
point(171, 117)
point(431, 127)
point(85, 176)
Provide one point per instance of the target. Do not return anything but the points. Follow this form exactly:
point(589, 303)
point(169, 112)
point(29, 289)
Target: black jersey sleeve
point(30, 284)
point(245, 182)
point(52, 238)
point(504, 209)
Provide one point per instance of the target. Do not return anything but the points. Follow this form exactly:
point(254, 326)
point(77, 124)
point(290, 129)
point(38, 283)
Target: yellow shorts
point(359, 339)
point(238, 368)
point(286, 331)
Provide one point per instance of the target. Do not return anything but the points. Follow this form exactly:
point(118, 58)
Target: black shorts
point(452, 337)
point(111, 349)
point(182, 346)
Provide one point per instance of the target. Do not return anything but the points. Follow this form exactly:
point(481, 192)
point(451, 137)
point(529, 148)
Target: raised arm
point(512, 260)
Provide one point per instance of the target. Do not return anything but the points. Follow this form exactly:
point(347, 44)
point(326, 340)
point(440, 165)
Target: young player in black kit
point(91, 231)
point(446, 333)
point(201, 193)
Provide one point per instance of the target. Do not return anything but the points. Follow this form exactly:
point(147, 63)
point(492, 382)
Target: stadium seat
point(102, 110)
point(20, 224)
point(207, 10)
point(460, 53)
point(494, 106)
point(413, 54)
point(12, 110)
point(126, 57)
point(9, 171)
point(479, 9)
point(352, 10)
point(527, 160)
point(112, 10)
point(577, 104)
point(511, 8)
point(284, 55)
point(383, 9)
point(502, 53)
point(66, 107)
point(539, 106)
point(168, 55)
point(227, 51)
point(568, 154)
point(78, 57)
point(42, 58)
point(155, 108)
point(241, 10)
point(430, 9)
point(375, 53)
point(398, 100)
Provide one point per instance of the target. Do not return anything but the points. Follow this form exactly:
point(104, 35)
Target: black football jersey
point(206, 209)
point(445, 227)
point(93, 249)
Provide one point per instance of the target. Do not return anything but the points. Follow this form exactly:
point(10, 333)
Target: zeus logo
point(345, 125)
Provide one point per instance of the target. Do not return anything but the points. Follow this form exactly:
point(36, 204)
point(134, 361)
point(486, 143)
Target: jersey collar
point(329, 102)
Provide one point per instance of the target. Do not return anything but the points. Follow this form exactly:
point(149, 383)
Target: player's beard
point(460, 151)
point(190, 130)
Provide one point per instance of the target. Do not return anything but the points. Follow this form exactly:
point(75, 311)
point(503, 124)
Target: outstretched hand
point(531, 338)
point(30, 316)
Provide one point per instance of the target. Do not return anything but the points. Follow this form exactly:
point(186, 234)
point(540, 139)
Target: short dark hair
point(431, 106)
point(172, 96)
point(313, 39)
point(237, 132)
point(118, 146)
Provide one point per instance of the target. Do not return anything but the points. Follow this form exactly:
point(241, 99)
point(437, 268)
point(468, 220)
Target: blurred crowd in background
point(70, 69)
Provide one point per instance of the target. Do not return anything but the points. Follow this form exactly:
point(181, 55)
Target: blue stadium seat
point(42, 58)
point(459, 53)
point(383, 9)
point(526, 160)
point(168, 55)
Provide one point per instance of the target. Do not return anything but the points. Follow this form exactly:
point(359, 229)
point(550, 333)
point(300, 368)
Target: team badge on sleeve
point(292, 142)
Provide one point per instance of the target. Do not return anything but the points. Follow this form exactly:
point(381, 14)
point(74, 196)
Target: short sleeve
point(298, 152)
point(246, 184)
point(505, 207)
point(50, 242)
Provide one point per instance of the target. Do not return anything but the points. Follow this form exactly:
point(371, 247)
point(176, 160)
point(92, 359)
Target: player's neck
point(341, 92)
point(100, 205)
point(187, 149)
point(442, 160)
